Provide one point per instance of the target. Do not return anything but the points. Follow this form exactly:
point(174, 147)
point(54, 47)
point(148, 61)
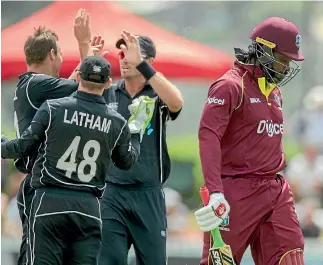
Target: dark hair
point(38, 45)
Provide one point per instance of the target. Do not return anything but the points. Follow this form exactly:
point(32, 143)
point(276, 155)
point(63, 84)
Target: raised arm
point(167, 91)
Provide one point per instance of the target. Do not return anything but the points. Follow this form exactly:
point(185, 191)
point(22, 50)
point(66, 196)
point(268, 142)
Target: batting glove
point(141, 110)
point(212, 215)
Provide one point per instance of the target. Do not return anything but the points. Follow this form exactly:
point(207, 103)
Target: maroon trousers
point(263, 216)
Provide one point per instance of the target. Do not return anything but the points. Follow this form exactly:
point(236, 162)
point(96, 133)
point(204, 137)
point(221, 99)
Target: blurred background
point(195, 42)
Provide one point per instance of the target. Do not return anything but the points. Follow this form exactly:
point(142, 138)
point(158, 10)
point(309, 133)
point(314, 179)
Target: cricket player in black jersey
point(133, 206)
point(76, 138)
point(39, 83)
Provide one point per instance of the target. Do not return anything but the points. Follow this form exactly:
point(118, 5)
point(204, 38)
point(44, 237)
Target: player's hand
point(212, 215)
point(4, 138)
point(82, 30)
point(141, 111)
point(97, 46)
point(131, 50)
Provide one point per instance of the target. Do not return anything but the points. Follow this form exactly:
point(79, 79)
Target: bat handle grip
point(205, 195)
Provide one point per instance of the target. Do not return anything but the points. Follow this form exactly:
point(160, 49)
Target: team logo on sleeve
point(215, 100)
point(278, 100)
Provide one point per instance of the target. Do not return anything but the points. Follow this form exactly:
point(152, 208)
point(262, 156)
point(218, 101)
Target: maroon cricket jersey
point(241, 127)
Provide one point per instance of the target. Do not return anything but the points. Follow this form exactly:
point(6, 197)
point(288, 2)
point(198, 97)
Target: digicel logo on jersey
point(270, 128)
point(215, 101)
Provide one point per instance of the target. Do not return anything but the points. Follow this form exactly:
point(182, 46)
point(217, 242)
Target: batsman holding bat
point(240, 138)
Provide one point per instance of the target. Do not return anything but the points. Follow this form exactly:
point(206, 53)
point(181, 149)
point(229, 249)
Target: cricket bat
point(220, 253)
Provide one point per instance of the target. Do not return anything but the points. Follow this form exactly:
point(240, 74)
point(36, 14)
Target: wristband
point(146, 70)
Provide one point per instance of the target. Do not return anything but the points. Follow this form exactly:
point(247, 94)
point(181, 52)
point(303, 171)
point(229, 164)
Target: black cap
point(147, 46)
point(95, 69)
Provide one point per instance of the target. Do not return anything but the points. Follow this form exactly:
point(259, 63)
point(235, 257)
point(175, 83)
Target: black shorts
point(64, 227)
point(133, 216)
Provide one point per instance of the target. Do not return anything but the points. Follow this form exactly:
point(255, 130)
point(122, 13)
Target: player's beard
point(278, 77)
point(273, 75)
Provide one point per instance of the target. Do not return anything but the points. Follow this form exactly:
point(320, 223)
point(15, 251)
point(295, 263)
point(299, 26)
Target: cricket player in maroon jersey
point(240, 138)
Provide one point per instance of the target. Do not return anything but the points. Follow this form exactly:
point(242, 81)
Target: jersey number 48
point(89, 160)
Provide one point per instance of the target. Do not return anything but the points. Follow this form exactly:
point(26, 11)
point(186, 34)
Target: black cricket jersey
point(31, 92)
point(76, 138)
point(153, 165)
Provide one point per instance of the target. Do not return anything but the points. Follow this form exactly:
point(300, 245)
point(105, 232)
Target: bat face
point(222, 256)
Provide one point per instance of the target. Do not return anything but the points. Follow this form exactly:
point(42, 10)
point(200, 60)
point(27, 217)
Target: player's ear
point(52, 55)
point(108, 83)
point(78, 77)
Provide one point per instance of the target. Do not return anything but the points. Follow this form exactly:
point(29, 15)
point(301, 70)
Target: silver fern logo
point(113, 105)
